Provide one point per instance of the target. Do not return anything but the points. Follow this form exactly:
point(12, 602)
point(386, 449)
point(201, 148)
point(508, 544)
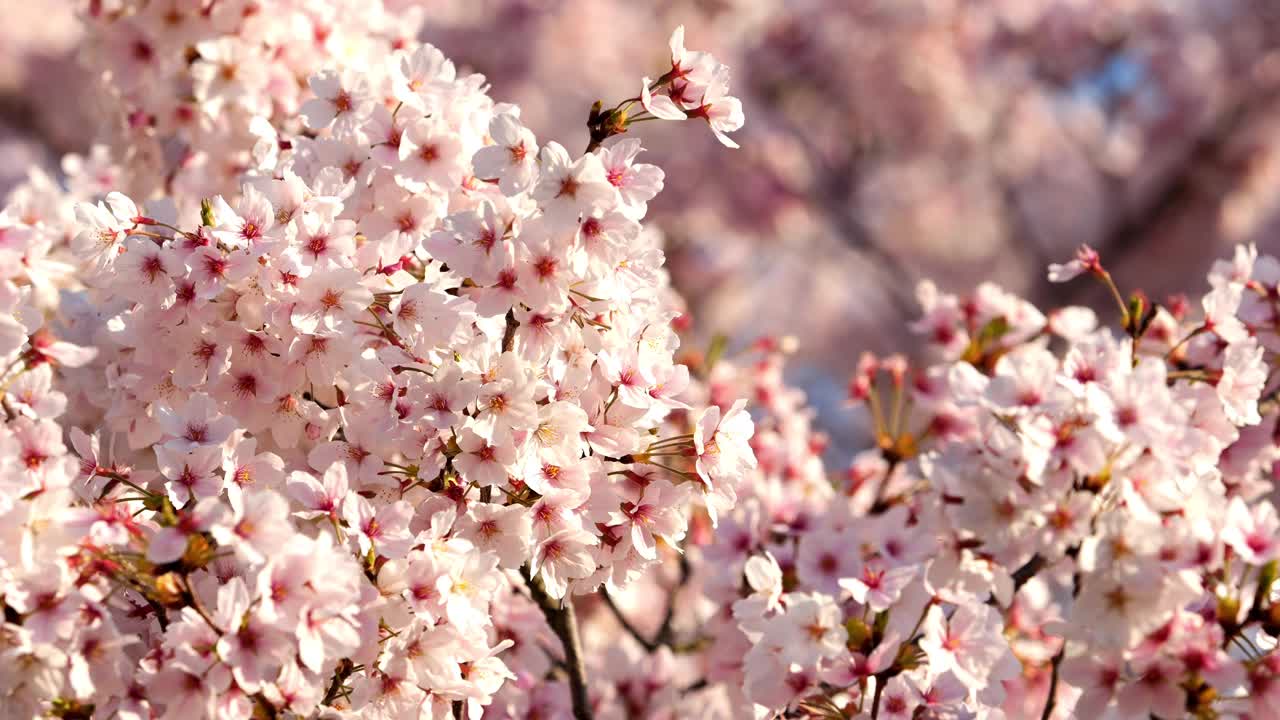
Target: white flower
point(1244, 376)
point(341, 99)
point(563, 557)
point(103, 229)
point(512, 159)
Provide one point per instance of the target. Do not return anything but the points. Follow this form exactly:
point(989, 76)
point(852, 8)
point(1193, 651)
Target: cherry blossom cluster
point(1058, 519)
point(192, 86)
point(414, 378)
point(695, 86)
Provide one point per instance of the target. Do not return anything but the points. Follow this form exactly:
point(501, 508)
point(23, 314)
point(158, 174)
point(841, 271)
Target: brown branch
point(663, 637)
point(509, 335)
point(1027, 571)
point(1052, 699)
point(340, 674)
point(875, 700)
point(508, 343)
point(564, 624)
point(161, 616)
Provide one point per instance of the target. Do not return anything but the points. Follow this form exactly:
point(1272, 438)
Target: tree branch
point(509, 335)
point(1027, 571)
point(646, 643)
point(564, 624)
point(341, 672)
point(1052, 699)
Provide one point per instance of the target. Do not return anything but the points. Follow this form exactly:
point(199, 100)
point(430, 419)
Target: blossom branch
point(1028, 570)
point(1052, 700)
point(563, 622)
point(509, 334)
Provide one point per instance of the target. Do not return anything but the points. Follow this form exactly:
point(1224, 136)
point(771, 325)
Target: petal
point(661, 106)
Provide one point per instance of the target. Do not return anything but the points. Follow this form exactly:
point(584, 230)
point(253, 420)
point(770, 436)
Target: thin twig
point(875, 700)
point(648, 644)
point(340, 674)
point(161, 616)
point(664, 630)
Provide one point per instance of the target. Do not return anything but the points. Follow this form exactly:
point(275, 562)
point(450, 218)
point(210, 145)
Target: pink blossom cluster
point(1057, 520)
point(191, 86)
point(415, 376)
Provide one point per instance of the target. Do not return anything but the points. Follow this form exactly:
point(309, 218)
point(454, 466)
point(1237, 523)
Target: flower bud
point(206, 213)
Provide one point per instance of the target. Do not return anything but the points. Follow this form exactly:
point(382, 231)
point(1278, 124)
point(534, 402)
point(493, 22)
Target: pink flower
point(567, 187)
point(562, 557)
point(971, 645)
point(1085, 261)
point(104, 229)
point(512, 159)
point(1253, 533)
point(256, 528)
point(384, 530)
point(192, 473)
point(721, 443)
point(341, 100)
point(326, 498)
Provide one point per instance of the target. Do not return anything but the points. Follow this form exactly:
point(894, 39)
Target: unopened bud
point(859, 634)
point(69, 709)
point(198, 554)
point(206, 213)
point(1271, 620)
point(168, 589)
point(1228, 610)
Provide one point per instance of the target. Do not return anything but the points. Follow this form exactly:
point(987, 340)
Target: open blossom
point(256, 528)
point(511, 159)
point(1067, 506)
point(696, 86)
point(341, 100)
point(968, 644)
point(1244, 376)
point(1086, 260)
point(722, 111)
point(567, 186)
point(1252, 533)
point(104, 227)
point(561, 558)
point(320, 498)
point(721, 442)
point(192, 473)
